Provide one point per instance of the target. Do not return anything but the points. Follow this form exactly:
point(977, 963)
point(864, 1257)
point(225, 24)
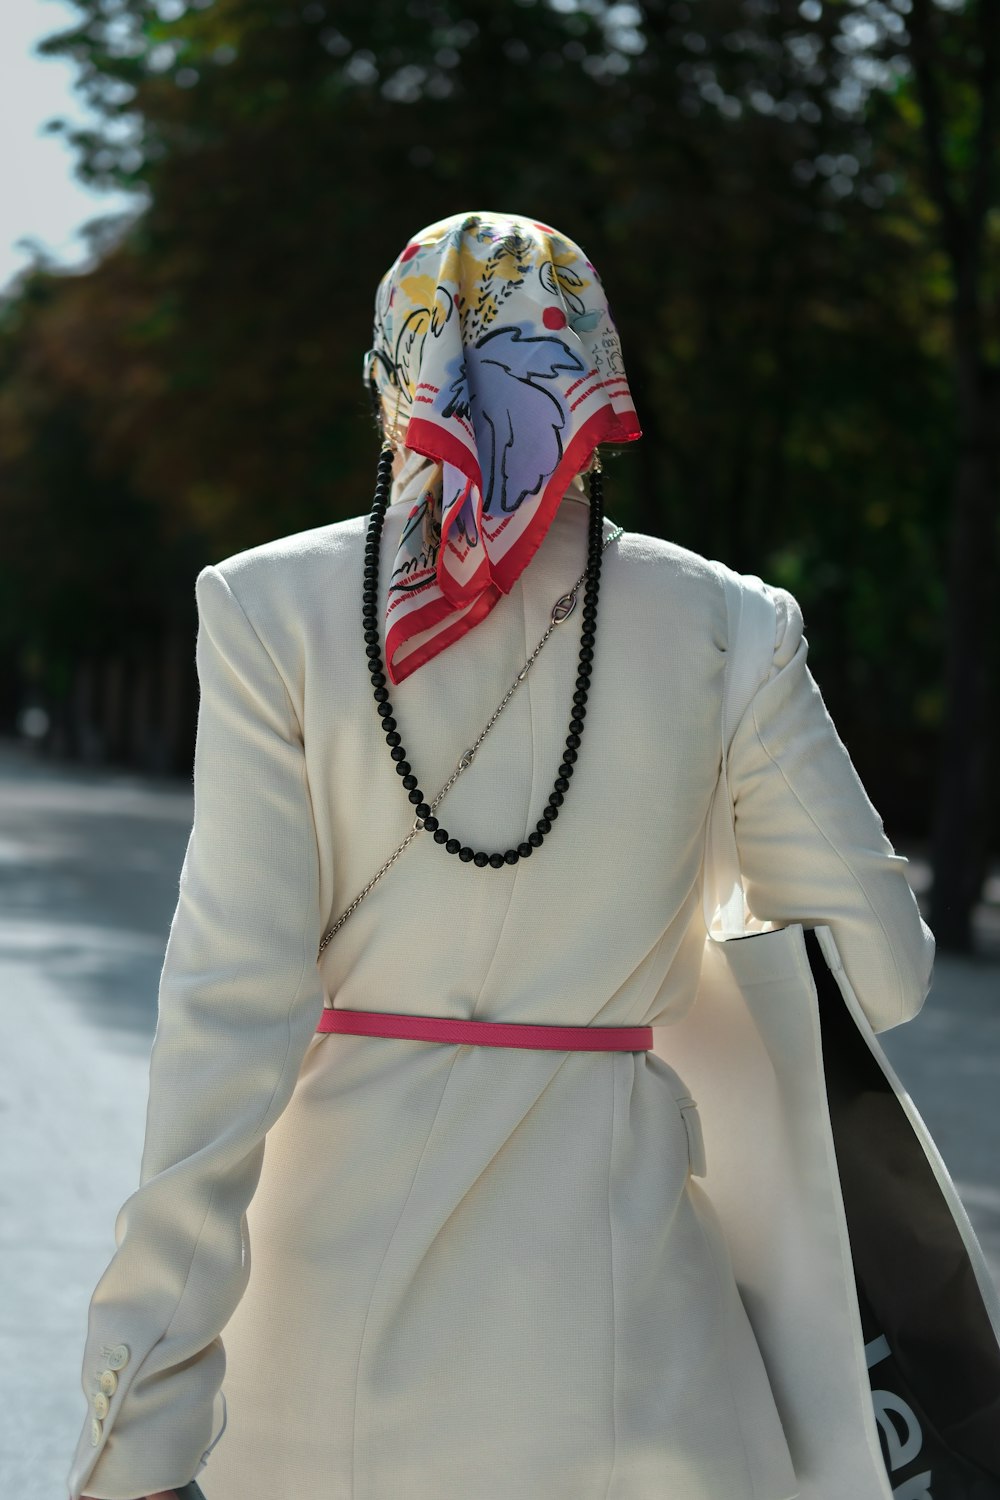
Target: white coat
point(418, 1269)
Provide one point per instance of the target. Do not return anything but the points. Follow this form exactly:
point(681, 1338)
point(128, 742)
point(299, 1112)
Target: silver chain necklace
point(561, 610)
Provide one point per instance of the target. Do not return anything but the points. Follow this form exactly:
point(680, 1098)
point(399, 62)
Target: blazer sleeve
point(812, 847)
point(240, 995)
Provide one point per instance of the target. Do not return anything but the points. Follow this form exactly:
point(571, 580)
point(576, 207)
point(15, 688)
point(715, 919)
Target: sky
point(39, 196)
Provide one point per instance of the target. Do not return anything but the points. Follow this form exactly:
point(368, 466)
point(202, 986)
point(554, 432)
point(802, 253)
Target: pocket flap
point(695, 1138)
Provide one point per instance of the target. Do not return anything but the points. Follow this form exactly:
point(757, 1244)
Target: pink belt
point(487, 1033)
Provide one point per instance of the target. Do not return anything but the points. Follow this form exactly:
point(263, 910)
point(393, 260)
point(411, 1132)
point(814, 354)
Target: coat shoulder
point(291, 567)
point(664, 577)
point(675, 584)
point(640, 550)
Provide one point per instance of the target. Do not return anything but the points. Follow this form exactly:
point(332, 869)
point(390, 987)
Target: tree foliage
point(746, 173)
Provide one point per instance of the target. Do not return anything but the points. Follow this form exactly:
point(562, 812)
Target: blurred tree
point(746, 174)
point(956, 68)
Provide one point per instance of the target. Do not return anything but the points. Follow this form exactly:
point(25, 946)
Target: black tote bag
point(934, 1361)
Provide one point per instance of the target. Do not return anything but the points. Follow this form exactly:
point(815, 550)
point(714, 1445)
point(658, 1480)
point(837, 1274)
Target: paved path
point(89, 862)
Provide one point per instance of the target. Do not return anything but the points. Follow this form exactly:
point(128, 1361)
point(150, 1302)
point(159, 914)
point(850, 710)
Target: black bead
point(392, 738)
point(430, 822)
point(453, 846)
point(580, 696)
point(373, 649)
point(555, 799)
point(465, 853)
point(416, 796)
point(371, 636)
point(424, 811)
point(562, 783)
point(586, 653)
point(496, 860)
point(565, 770)
point(544, 824)
point(587, 637)
point(525, 849)
point(409, 781)
point(480, 858)
point(399, 756)
point(389, 725)
point(381, 695)
point(440, 835)
point(535, 838)
point(511, 856)
point(384, 710)
point(378, 678)
point(569, 755)
point(573, 741)
point(576, 727)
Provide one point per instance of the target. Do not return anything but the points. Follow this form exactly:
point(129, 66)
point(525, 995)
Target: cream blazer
point(457, 1270)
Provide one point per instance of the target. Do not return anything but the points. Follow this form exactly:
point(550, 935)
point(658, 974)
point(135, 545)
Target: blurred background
point(795, 208)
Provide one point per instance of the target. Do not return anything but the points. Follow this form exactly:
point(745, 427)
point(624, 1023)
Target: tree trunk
point(962, 823)
point(964, 802)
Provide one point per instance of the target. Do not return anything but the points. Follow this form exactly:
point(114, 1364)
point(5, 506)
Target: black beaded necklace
point(425, 817)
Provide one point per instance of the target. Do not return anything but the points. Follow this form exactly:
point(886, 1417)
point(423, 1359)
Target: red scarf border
point(605, 425)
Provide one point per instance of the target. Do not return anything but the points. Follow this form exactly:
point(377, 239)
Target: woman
point(481, 1268)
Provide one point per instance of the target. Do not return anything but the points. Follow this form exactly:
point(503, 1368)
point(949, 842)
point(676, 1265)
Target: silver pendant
point(564, 607)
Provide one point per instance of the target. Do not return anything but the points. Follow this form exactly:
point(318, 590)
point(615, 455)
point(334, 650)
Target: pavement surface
point(89, 865)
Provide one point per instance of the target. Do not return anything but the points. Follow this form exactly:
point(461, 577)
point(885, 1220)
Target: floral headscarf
point(494, 342)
